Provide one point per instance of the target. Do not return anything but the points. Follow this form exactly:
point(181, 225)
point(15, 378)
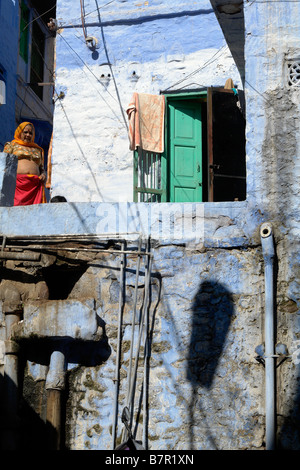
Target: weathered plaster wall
point(206, 388)
point(272, 108)
point(205, 385)
point(205, 316)
point(164, 44)
point(273, 111)
point(200, 362)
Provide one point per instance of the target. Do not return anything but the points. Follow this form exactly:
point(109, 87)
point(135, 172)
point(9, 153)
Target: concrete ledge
point(164, 222)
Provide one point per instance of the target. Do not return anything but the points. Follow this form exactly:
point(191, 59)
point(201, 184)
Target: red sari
point(29, 188)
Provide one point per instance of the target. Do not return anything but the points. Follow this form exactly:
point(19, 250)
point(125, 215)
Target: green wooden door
point(185, 151)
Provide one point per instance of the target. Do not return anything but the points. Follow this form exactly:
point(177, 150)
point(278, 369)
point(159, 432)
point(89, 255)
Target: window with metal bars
point(204, 157)
point(149, 176)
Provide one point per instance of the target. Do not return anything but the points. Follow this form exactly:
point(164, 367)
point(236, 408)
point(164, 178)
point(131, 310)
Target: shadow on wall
point(18, 422)
point(212, 314)
point(23, 411)
point(289, 433)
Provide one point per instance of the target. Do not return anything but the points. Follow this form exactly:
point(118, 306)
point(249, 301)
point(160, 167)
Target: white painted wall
point(174, 45)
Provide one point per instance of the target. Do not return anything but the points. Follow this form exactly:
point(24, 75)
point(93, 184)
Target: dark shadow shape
point(31, 431)
point(61, 279)
point(212, 314)
point(289, 433)
point(58, 199)
point(85, 353)
point(22, 428)
point(148, 18)
point(95, 55)
point(17, 275)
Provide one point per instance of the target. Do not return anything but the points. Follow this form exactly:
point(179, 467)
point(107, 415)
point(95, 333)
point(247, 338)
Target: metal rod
point(145, 306)
point(45, 247)
point(109, 236)
point(125, 431)
point(118, 355)
point(269, 254)
point(133, 327)
point(146, 357)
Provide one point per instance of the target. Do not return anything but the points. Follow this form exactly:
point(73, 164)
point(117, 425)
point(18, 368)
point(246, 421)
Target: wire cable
point(92, 73)
point(37, 17)
point(208, 62)
point(82, 17)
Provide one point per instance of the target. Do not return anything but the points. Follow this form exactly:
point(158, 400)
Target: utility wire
point(88, 68)
point(111, 70)
point(79, 147)
point(208, 62)
point(62, 25)
point(37, 17)
point(82, 17)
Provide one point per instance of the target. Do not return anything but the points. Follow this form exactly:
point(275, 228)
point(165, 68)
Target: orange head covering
point(18, 140)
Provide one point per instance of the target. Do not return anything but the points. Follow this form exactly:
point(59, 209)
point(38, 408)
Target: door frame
point(201, 95)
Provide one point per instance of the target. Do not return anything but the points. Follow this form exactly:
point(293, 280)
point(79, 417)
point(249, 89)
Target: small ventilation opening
point(294, 73)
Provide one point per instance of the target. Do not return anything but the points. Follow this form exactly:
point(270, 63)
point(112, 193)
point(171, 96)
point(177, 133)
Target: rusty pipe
point(10, 436)
point(55, 385)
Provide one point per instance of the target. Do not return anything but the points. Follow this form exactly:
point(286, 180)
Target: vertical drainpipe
point(267, 242)
point(11, 383)
point(13, 314)
point(55, 385)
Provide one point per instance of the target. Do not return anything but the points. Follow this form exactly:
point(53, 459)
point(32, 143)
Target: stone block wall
point(205, 387)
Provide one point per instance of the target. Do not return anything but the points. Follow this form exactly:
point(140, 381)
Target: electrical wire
point(111, 70)
point(37, 17)
point(63, 25)
point(80, 149)
point(208, 62)
point(99, 8)
point(82, 17)
point(92, 73)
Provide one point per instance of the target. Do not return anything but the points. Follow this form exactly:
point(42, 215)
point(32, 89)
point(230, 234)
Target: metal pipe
point(132, 385)
point(10, 438)
point(20, 256)
point(146, 360)
point(61, 248)
point(117, 370)
point(132, 335)
point(55, 385)
point(267, 242)
point(141, 329)
point(80, 236)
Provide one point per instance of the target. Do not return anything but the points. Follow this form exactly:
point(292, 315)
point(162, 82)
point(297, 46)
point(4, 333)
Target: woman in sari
point(31, 175)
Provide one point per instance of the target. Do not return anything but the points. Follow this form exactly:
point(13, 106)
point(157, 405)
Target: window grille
point(149, 176)
point(294, 73)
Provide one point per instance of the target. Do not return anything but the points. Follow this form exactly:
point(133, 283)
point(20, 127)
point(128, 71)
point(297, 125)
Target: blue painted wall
point(9, 34)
